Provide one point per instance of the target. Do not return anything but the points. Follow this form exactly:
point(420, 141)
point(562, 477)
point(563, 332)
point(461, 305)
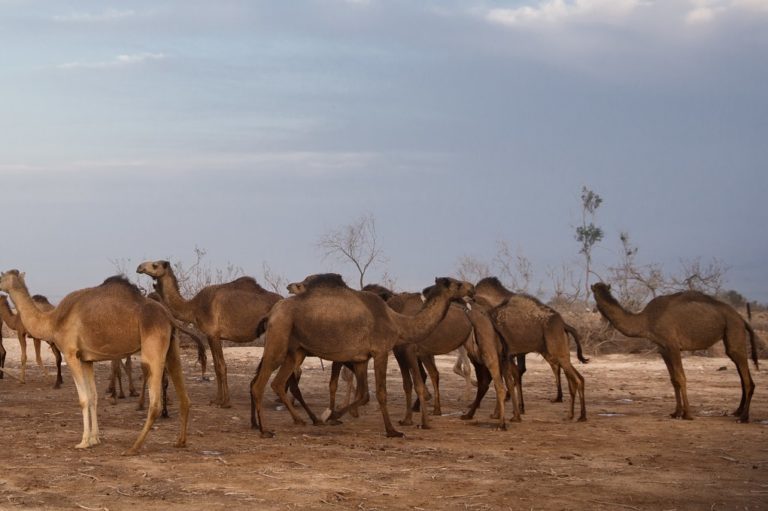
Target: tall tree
point(588, 234)
point(356, 243)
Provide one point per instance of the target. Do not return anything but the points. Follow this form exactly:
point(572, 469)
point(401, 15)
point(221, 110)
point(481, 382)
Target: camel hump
point(122, 281)
point(384, 293)
point(40, 299)
point(324, 280)
point(493, 282)
point(246, 284)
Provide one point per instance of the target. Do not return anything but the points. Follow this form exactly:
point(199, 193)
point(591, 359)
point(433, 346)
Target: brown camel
point(341, 324)
point(451, 333)
point(686, 321)
point(492, 292)
point(230, 311)
point(338, 369)
point(15, 322)
point(106, 322)
point(526, 325)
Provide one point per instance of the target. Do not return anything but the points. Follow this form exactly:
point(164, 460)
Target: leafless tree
point(566, 288)
point(356, 243)
point(635, 283)
point(707, 278)
point(472, 269)
point(274, 280)
point(514, 268)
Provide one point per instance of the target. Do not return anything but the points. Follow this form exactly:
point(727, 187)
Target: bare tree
point(274, 280)
point(698, 277)
point(566, 289)
point(515, 268)
point(635, 283)
point(472, 269)
point(356, 243)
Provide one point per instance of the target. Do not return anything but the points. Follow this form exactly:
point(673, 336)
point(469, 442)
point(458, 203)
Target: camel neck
point(628, 323)
point(37, 323)
point(168, 288)
point(415, 328)
point(6, 314)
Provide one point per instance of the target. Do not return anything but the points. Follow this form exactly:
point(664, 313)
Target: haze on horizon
point(141, 130)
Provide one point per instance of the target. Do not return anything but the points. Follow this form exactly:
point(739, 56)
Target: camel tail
point(577, 338)
point(753, 343)
point(202, 357)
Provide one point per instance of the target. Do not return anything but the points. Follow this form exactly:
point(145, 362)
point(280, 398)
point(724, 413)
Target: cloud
point(555, 11)
point(118, 62)
point(87, 17)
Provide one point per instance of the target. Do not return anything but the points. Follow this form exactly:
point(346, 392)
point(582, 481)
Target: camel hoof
point(556, 400)
point(133, 393)
point(130, 452)
point(424, 426)
point(743, 420)
point(327, 413)
point(334, 422)
point(299, 422)
point(501, 427)
point(395, 434)
point(180, 444)
point(583, 418)
point(466, 417)
point(405, 422)
point(267, 434)
point(354, 413)
point(687, 417)
point(437, 413)
point(516, 418)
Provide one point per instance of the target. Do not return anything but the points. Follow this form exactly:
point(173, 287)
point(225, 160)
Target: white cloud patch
point(117, 62)
point(86, 17)
point(556, 11)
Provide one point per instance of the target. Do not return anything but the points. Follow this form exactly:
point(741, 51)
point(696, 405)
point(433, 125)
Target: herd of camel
point(325, 318)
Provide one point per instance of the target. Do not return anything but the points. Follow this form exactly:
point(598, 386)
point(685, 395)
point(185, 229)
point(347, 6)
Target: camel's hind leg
point(575, 386)
point(290, 363)
point(736, 348)
point(39, 359)
point(558, 383)
point(174, 370)
point(434, 376)
point(402, 362)
point(57, 355)
point(2, 357)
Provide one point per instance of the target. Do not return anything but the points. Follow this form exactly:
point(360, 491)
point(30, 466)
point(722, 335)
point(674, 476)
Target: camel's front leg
point(23, 347)
point(39, 359)
point(82, 387)
point(380, 373)
point(220, 367)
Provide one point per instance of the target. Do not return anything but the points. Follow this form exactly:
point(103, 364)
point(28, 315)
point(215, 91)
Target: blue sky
point(139, 130)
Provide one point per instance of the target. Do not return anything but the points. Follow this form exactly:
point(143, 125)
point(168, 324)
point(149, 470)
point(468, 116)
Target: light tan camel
point(106, 322)
point(526, 325)
point(230, 311)
point(341, 324)
point(686, 321)
point(492, 292)
point(452, 332)
point(15, 322)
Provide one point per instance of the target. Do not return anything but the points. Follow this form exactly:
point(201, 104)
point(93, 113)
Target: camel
point(526, 325)
point(337, 323)
point(230, 311)
point(686, 321)
point(15, 322)
point(492, 292)
point(109, 321)
point(451, 333)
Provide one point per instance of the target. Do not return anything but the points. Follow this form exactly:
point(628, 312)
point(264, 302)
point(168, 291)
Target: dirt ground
point(629, 455)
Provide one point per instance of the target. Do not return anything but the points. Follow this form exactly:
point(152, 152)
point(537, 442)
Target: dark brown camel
point(492, 292)
point(526, 325)
point(686, 321)
point(230, 311)
point(106, 322)
point(453, 331)
point(341, 324)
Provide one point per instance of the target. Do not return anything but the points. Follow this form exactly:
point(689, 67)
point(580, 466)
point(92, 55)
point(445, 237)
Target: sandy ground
point(629, 455)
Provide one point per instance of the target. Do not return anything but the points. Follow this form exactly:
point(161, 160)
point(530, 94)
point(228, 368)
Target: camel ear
point(165, 264)
point(442, 281)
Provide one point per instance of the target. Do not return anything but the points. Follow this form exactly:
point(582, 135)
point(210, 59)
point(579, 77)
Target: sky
point(140, 130)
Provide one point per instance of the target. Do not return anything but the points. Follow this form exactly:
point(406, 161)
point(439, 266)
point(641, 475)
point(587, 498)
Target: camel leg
point(39, 359)
point(2, 357)
point(735, 348)
point(129, 371)
point(555, 366)
point(380, 374)
point(360, 372)
point(274, 351)
point(76, 368)
point(576, 386)
point(405, 372)
point(333, 385)
point(174, 370)
point(220, 367)
point(483, 382)
point(93, 398)
point(434, 376)
point(164, 409)
point(418, 380)
point(23, 346)
point(520, 363)
point(279, 383)
point(512, 378)
point(57, 355)
point(154, 376)
point(142, 397)
point(677, 375)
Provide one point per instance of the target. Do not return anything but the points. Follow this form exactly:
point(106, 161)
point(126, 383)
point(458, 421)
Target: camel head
point(316, 280)
point(11, 279)
point(456, 289)
point(154, 269)
point(601, 288)
point(296, 288)
point(381, 291)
